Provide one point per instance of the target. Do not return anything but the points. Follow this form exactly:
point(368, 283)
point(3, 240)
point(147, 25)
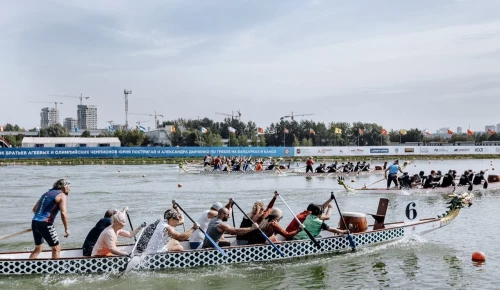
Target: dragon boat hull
point(72, 262)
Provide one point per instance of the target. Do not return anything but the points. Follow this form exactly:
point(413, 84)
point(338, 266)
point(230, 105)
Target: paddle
point(130, 222)
point(349, 237)
point(131, 265)
point(301, 225)
point(263, 234)
point(373, 183)
point(15, 234)
point(201, 230)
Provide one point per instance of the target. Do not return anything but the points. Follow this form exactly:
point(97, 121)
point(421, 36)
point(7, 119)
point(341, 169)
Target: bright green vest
point(313, 225)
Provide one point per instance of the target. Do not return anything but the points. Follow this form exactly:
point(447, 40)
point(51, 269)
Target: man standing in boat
point(46, 210)
point(309, 165)
point(393, 174)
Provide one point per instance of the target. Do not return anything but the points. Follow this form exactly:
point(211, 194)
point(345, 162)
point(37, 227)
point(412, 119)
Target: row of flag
point(384, 132)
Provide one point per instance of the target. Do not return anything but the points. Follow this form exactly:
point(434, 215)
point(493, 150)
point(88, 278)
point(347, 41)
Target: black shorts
point(44, 231)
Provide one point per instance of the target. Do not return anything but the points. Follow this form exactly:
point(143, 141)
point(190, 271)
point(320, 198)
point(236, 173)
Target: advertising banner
point(124, 152)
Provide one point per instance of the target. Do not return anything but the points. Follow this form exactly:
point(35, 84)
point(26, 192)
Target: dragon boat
point(229, 172)
point(72, 261)
point(493, 182)
point(377, 170)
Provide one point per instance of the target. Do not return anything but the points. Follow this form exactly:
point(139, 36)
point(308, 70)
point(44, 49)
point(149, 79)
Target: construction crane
point(55, 103)
point(81, 97)
point(139, 122)
point(155, 115)
point(292, 115)
point(231, 115)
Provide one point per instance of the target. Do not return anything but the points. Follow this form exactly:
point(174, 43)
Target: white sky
point(401, 64)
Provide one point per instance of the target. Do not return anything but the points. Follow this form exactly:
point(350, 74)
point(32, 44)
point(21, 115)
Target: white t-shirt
point(203, 220)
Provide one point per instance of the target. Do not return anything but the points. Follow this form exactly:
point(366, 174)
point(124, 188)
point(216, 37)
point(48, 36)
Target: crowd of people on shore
point(101, 239)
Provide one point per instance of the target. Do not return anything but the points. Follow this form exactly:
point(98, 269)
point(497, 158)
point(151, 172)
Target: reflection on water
point(380, 272)
point(410, 265)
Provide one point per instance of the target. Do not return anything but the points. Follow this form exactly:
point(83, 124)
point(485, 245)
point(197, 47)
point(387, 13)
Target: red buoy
point(478, 257)
point(179, 185)
point(352, 180)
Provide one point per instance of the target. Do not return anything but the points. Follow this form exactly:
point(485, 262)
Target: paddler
point(309, 164)
point(393, 173)
point(95, 232)
point(46, 210)
point(448, 179)
point(106, 243)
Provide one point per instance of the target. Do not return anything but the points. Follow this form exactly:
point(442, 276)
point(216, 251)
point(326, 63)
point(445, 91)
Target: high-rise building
point(49, 116)
point(498, 128)
point(459, 130)
point(70, 123)
point(87, 117)
point(490, 127)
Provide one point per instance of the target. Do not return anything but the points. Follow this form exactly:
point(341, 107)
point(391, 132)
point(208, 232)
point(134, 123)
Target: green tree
point(86, 133)
point(262, 141)
point(243, 140)
point(255, 141)
point(56, 130)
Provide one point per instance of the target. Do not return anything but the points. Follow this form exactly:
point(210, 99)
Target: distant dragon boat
point(72, 261)
point(493, 182)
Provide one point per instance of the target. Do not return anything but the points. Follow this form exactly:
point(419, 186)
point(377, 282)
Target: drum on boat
point(378, 167)
point(493, 178)
point(355, 221)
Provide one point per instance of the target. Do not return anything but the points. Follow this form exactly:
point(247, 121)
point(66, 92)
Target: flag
point(402, 132)
point(360, 131)
point(75, 128)
point(203, 130)
point(260, 130)
point(338, 131)
point(427, 132)
point(384, 132)
point(232, 130)
point(311, 131)
point(172, 129)
point(469, 132)
point(491, 132)
point(142, 129)
point(110, 128)
point(37, 129)
point(450, 132)
point(286, 131)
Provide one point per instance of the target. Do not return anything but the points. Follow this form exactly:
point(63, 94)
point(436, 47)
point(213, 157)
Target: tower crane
point(139, 122)
point(292, 115)
point(232, 115)
point(55, 103)
point(81, 97)
point(155, 115)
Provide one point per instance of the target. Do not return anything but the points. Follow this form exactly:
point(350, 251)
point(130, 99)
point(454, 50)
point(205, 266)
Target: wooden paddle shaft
point(15, 234)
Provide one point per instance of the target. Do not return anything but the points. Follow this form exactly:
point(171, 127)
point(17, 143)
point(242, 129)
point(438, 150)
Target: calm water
point(438, 260)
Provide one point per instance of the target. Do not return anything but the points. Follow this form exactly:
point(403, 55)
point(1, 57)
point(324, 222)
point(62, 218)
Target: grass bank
point(142, 161)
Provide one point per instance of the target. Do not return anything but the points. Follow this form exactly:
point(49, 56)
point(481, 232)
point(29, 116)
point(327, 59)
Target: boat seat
point(379, 217)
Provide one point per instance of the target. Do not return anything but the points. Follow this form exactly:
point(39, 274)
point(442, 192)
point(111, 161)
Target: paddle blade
point(470, 188)
point(215, 244)
point(352, 243)
point(485, 185)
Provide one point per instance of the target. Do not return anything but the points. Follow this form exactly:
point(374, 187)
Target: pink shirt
point(106, 241)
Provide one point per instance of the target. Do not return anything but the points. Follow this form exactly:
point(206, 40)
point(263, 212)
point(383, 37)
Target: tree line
point(300, 133)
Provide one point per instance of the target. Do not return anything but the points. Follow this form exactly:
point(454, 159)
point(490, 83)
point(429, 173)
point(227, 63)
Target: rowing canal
point(438, 260)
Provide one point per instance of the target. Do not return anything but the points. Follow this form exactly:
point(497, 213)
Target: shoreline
point(144, 161)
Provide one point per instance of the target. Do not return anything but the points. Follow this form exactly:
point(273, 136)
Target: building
point(442, 131)
point(87, 117)
point(459, 130)
point(30, 142)
point(49, 116)
point(70, 123)
point(489, 127)
point(498, 128)
point(161, 136)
